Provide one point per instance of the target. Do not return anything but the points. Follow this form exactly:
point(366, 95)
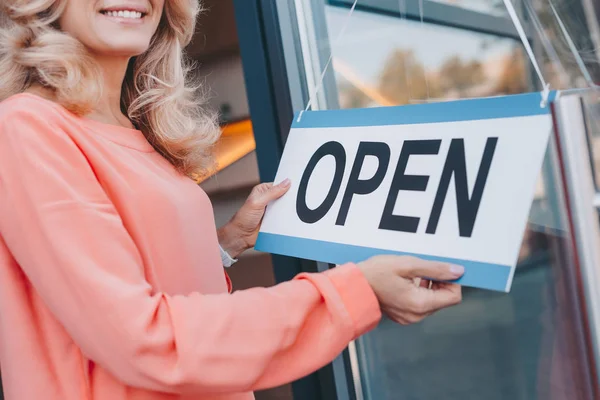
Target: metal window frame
point(443, 15)
point(571, 133)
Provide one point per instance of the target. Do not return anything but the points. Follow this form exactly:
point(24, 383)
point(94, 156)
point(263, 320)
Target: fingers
point(265, 193)
point(448, 295)
point(410, 319)
point(433, 300)
point(425, 302)
point(411, 289)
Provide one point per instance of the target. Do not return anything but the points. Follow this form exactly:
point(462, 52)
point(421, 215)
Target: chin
point(123, 49)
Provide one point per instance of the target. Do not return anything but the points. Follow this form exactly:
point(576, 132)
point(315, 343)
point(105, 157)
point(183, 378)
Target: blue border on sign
point(520, 105)
point(477, 274)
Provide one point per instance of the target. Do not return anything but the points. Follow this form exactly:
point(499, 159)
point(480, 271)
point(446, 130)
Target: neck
point(108, 108)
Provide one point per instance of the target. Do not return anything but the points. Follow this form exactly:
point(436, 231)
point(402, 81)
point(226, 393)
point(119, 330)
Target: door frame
point(275, 86)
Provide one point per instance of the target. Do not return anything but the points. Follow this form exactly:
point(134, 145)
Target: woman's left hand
point(240, 233)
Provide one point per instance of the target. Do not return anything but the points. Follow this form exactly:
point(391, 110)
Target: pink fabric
point(111, 284)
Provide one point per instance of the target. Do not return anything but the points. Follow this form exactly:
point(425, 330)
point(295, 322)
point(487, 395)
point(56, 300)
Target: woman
point(112, 284)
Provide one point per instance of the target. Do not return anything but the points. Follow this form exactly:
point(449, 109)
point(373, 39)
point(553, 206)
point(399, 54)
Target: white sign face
point(447, 181)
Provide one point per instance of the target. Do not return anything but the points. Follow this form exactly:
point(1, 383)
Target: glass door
point(539, 341)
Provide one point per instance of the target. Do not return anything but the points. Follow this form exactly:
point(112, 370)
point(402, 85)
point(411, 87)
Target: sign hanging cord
point(517, 23)
point(319, 84)
point(403, 10)
point(422, 12)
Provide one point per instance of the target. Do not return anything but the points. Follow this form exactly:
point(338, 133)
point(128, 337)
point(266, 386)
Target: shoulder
point(27, 119)
point(28, 108)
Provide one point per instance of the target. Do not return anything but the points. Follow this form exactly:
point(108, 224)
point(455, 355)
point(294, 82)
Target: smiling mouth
point(125, 14)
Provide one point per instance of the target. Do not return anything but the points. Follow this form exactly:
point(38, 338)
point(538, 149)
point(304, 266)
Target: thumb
point(434, 270)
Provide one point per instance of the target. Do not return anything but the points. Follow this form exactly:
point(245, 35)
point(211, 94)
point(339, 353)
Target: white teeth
point(124, 14)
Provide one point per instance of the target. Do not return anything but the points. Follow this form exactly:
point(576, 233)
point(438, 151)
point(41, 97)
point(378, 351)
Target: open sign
point(454, 170)
point(447, 181)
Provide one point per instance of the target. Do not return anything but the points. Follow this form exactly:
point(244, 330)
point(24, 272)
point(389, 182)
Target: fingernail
point(285, 182)
point(457, 270)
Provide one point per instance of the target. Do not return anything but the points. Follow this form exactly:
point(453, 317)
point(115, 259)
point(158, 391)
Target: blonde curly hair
point(157, 94)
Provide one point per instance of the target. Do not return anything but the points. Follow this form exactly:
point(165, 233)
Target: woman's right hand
point(392, 278)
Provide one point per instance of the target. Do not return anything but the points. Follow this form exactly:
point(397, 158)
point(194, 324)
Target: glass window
point(523, 345)
point(383, 60)
point(560, 65)
point(592, 113)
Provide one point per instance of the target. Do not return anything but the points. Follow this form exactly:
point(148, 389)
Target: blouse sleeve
point(66, 235)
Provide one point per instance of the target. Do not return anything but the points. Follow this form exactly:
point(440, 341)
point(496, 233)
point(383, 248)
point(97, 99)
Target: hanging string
point(402, 9)
point(339, 37)
point(517, 23)
point(580, 63)
point(547, 43)
point(422, 13)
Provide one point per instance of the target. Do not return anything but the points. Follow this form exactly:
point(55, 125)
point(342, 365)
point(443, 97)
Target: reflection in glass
point(592, 118)
point(494, 7)
point(383, 61)
point(582, 25)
